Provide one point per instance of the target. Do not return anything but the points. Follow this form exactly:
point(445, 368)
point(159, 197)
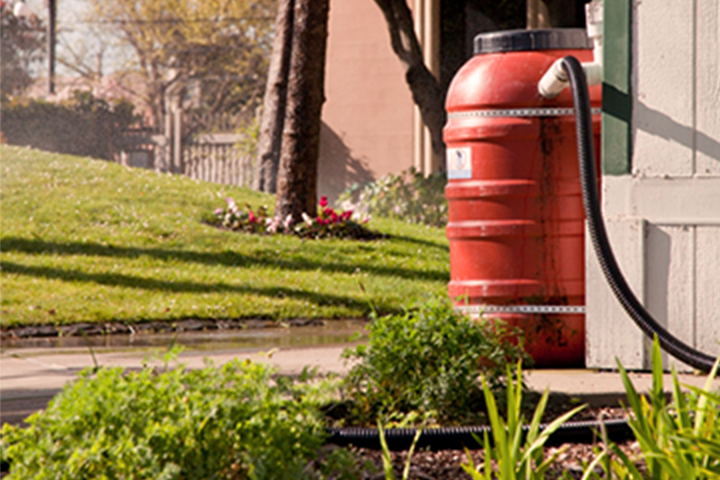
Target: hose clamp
point(519, 112)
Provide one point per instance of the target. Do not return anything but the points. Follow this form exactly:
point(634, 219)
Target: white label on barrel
point(459, 163)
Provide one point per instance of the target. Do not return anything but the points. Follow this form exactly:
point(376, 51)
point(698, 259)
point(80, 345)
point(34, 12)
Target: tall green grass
point(679, 439)
point(91, 241)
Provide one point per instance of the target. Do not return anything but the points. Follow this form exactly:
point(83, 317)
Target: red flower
point(251, 216)
point(334, 217)
point(323, 201)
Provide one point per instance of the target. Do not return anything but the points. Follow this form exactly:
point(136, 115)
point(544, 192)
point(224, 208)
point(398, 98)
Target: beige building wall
point(367, 127)
point(664, 218)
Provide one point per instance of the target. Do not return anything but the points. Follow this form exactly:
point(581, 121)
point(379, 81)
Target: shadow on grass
point(227, 258)
point(142, 283)
point(420, 241)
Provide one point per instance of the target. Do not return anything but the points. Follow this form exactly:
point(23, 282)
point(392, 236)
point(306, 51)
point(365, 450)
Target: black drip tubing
point(457, 438)
point(598, 234)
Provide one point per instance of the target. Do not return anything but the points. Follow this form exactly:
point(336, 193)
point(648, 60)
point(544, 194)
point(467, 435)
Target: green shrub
point(409, 196)
point(83, 125)
point(427, 361)
point(237, 421)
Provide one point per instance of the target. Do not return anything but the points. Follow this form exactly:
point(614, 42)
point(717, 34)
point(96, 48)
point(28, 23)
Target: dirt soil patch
point(446, 465)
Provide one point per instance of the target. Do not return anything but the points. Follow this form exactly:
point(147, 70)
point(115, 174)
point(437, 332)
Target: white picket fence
point(217, 158)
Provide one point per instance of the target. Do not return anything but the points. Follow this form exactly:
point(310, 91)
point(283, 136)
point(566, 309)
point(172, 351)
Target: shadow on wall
point(660, 124)
point(337, 168)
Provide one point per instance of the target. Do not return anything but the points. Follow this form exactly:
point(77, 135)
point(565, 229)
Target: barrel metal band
point(542, 309)
point(519, 112)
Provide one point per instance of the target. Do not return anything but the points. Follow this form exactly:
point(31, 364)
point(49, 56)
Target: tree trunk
point(273, 115)
point(425, 88)
point(297, 179)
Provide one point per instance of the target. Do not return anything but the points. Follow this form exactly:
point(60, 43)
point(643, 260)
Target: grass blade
point(387, 460)
point(406, 469)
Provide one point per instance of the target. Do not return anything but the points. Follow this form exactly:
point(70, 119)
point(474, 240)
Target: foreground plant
point(679, 439)
point(388, 469)
point(428, 361)
point(516, 452)
point(230, 422)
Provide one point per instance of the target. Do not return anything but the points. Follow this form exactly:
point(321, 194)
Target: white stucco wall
point(664, 218)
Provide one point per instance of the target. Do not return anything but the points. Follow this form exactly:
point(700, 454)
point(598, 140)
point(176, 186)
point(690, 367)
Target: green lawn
point(85, 240)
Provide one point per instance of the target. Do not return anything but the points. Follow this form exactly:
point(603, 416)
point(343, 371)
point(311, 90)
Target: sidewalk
point(29, 377)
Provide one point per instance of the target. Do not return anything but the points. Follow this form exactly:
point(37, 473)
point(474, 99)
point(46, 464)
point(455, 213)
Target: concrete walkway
point(29, 377)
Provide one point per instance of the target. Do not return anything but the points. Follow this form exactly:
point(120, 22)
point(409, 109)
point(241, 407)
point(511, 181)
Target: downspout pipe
point(556, 79)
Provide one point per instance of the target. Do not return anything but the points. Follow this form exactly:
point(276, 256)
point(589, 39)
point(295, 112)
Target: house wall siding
point(367, 118)
point(664, 217)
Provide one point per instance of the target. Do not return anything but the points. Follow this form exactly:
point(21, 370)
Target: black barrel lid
point(528, 40)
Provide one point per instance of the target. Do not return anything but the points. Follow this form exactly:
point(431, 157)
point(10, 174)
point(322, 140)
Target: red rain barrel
point(516, 219)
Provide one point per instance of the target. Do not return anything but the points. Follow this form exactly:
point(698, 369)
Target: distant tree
point(297, 177)
point(22, 46)
point(85, 58)
point(220, 47)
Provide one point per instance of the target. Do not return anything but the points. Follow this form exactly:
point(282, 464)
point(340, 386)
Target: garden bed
point(446, 465)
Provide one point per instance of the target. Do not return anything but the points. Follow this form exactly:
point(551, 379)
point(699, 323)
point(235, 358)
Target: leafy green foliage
point(91, 241)
point(680, 439)
point(409, 196)
point(235, 421)
point(387, 458)
point(511, 456)
point(428, 361)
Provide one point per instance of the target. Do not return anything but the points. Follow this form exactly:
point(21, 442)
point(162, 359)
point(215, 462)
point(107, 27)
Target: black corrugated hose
point(456, 438)
point(588, 180)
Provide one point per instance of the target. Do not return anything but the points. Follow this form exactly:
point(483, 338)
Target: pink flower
point(323, 201)
point(328, 212)
point(219, 211)
point(272, 224)
point(334, 217)
point(345, 216)
point(251, 216)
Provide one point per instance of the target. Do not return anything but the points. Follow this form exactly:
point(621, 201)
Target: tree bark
point(297, 179)
point(274, 102)
point(426, 91)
